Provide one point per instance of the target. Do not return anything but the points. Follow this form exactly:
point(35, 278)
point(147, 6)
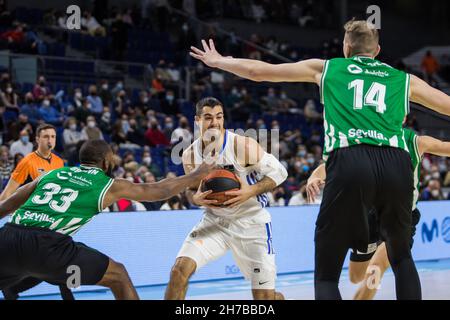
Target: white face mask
point(105, 86)
point(46, 103)
point(131, 179)
point(73, 127)
point(435, 193)
point(91, 124)
point(147, 160)
point(78, 95)
point(9, 90)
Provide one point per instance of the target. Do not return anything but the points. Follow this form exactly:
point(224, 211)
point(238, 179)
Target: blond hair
point(362, 36)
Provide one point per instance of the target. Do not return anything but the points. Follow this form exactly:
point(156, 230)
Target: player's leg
point(180, 274)
point(396, 221)
point(117, 279)
point(342, 222)
point(359, 261)
point(204, 244)
point(251, 244)
point(357, 271)
point(373, 274)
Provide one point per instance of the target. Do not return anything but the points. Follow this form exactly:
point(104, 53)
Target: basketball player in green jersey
point(372, 263)
point(365, 102)
point(37, 241)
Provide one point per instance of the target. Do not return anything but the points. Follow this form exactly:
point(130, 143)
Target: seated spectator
point(154, 136)
point(135, 133)
point(49, 113)
point(81, 114)
point(121, 103)
point(40, 91)
point(173, 203)
point(91, 24)
point(95, 101)
point(72, 136)
point(9, 98)
point(277, 198)
point(151, 206)
point(30, 109)
point(182, 133)
point(13, 38)
point(91, 131)
point(430, 67)
point(14, 128)
point(143, 102)
point(22, 145)
point(77, 99)
point(310, 111)
point(104, 93)
point(168, 127)
point(6, 167)
point(433, 191)
point(105, 121)
point(170, 105)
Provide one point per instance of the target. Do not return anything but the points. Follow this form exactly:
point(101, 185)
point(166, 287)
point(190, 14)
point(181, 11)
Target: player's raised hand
point(208, 55)
point(313, 188)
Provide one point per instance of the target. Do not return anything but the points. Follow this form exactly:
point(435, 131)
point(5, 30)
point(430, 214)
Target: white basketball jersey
point(227, 160)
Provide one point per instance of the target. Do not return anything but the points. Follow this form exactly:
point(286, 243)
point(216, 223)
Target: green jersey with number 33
point(65, 199)
point(365, 102)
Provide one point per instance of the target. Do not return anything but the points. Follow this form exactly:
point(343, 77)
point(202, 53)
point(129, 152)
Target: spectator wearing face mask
point(144, 101)
point(9, 98)
point(49, 114)
point(81, 114)
point(91, 131)
point(72, 136)
point(433, 191)
point(168, 127)
point(154, 136)
point(135, 133)
point(22, 145)
point(169, 104)
point(104, 93)
point(30, 109)
point(40, 89)
point(182, 133)
point(77, 99)
point(277, 198)
point(122, 103)
point(95, 101)
point(14, 128)
point(105, 121)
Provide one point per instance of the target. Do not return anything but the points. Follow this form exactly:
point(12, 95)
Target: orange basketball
point(220, 181)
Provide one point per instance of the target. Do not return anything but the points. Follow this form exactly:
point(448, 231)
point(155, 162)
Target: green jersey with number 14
point(65, 199)
point(365, 102)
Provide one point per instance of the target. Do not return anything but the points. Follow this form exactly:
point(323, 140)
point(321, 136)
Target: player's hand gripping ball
point(220, 181)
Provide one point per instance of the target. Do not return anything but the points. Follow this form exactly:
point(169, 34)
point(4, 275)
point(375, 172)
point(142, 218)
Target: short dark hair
point(43, 127)
point(206, 102)
point(94, 151)
point(362, 36)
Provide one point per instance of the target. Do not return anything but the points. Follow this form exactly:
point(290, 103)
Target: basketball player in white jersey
point(243, 225)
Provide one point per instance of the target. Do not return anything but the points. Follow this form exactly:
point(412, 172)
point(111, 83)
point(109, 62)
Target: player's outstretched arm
point(304, 71)
point(158, 191)
point(434, 146)
point(10, 188)
point(17, 199)
point(424, 94)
